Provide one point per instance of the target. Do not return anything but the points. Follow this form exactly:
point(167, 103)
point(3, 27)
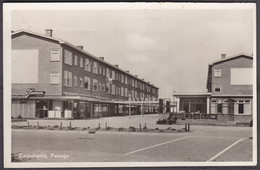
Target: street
point(202, 144)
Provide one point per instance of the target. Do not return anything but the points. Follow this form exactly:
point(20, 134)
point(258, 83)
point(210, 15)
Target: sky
point(171, 48)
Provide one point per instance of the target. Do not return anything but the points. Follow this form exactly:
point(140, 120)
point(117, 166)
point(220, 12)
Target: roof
point(232, 57)
point(60, 41)
point(193, 94)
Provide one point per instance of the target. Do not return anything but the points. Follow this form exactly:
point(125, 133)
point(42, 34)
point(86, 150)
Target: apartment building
point(53, 78)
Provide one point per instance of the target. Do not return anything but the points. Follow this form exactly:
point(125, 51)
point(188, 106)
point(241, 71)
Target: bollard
point(145, 125)
point(188, 127)
point(60, 125)
point(106, 125)
point(70, 124)
point(37, 124)
point(28, 125)
point(185, 127)
point(99, 125)
point(140, 127)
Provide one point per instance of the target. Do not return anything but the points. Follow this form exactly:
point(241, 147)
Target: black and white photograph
point(129, 84)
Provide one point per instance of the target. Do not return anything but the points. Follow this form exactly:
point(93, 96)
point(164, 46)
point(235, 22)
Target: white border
point(7, 9)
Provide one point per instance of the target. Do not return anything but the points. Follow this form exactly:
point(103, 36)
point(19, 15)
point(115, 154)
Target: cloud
point(139, 42)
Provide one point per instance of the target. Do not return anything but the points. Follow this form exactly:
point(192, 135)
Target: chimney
point(101, 58)
point(143, 79)
point(127, 71)
point(116, 65)
point(136, 75)
point(48, 32)
point(80, 47)
point(223, 56)
point(12, 31)
point(148, 82)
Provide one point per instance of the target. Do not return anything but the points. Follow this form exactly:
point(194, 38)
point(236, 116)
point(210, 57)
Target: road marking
point(220, 153)
point(156, 145)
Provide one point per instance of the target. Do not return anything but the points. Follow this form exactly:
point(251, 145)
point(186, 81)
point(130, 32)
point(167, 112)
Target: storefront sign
point(32, 91)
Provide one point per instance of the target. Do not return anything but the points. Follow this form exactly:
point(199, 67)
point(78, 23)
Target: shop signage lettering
point(32, 91)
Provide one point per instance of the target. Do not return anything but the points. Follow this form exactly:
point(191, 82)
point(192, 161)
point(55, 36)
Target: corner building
point(55, 79)
point(229, 90)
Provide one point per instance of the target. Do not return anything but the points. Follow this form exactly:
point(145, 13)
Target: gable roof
point(230, 58)
point(60, 41)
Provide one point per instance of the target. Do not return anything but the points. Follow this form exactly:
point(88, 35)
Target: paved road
point(204, 143)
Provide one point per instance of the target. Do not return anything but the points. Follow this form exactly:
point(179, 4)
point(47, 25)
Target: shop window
point(95, 68)
point(87, 64)
point(81, 82)
point(217, 88)
point(68, 57)
point(241, 108)
point(54, 78)
point(95, 85)
point(75, 81)
point(81, 62)
point(87, 83)
point(75, 60)
point(55, 55)
point(67, 78)
point(217, 72)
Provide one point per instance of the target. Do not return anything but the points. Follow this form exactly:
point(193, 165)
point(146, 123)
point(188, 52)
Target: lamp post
point(129, 99)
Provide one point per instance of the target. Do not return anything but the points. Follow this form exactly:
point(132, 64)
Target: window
point(217, 72)
point(136, 83)
point(217, 88)
point(241, 108)
point(113, 75)
point(122, 91)
point(67, 57)
point(95, 85)
point(76, 60)
point(122, 78)
point(81, 62)
point(87, 64)
point(107, 73)
point(113, 89)
point(95, 68)
point(133, 82)
point(87, 83)
point(55, 55)
point(54, 78)
point(116, 76)
point(219, 107)
point(67, 78)
point(126, 92)
point(100, 86)
point(117, 90)
point(100, 69)
point(75, 81)
point(108, 87)
point(104, 87)
point(135, 94)
point(81, 82)
point(104, 71)
point(125, 79)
